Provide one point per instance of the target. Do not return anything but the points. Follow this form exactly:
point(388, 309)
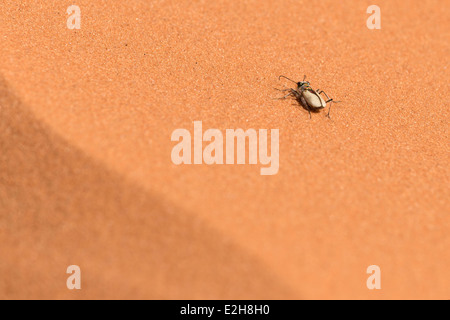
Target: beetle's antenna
point(287, 78)
point(304, 78)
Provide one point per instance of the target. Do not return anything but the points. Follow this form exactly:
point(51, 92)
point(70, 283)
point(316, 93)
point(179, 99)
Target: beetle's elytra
point(311, 100)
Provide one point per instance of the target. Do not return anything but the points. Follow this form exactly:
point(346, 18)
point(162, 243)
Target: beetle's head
point(300, 84)
point(303, 84)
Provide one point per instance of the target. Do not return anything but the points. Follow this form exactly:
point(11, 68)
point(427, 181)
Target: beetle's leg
point(283, 90)
point(309, 110)
point(321, 91)
point(291, 92)
point(329, 100)
point(282, 98)
point(329, 109)
point(305, 105)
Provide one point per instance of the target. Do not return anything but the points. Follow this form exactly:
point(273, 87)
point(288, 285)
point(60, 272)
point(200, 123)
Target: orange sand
point(86, 176)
